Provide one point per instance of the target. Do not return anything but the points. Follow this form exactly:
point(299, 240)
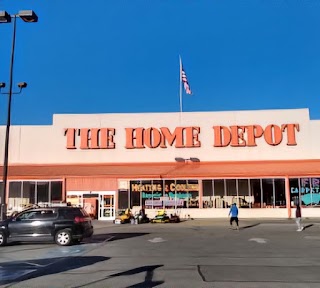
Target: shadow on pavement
point(98, 238)
point(28, 246)
point(307, 226)
point(16, 271)
point(249, 226)
point(147, 283)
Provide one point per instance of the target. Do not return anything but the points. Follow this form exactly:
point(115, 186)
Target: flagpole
point(180, 84)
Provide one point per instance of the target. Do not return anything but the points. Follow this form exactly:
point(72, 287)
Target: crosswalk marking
point(156, 240)
point(259, 240)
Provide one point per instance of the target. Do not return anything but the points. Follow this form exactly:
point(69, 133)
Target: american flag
point(185, 81)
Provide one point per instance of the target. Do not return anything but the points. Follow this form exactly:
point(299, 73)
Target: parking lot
point(198, 253)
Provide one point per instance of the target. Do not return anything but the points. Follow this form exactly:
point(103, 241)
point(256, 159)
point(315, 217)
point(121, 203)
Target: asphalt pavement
point(195, 253)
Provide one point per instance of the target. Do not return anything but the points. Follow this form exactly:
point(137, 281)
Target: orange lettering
point(152, 137)
point(222, 136)
point(106, 137)
point(273, 135)
point(170, 138)
point(84, 138)
point(291, 133)
point(192, 137)
point(94, 138)
point(71, 137)
point(237, 133)
point(134, 138)
point(253, 131)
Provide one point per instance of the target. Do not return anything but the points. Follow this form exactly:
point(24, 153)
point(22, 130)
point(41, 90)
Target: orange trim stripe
point(237, 169)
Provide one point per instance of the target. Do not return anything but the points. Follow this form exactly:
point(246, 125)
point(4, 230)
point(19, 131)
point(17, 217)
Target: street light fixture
point(27, 16)
point(5, 17)
point(20, 85)
point(192, 159)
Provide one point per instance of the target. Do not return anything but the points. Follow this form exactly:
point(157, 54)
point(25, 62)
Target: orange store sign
point(181, 137)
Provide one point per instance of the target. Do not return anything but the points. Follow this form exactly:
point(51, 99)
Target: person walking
point(298, 218)
point(234, 215)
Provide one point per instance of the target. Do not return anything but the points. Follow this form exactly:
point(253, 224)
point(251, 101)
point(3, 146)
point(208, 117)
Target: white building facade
point(195, 163)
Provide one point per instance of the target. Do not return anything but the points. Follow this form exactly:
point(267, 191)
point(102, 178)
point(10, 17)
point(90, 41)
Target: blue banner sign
point(177, 195)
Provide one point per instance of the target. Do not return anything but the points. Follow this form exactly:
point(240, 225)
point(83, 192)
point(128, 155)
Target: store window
point(15, 201)
point(56, 191)
point(255, 192)
point(157, 193)
point(315, 190)
point(150, 192)
point(302, 192)
point(294, 192)
point(280, 193)
point(193, 193)
point(219, 194)
point(207, 194)
point(135, 193)
point(231, 192)
point(123, 199)
point(176, 194)
point(244, 198)
point(146, 193)
point(24, 193)
point(136, 200)
point(168, 194)
point(43, 192)
point(29, 192)
point(305, 191)
point(179, 189)
point(168, 198)
point(268, 193)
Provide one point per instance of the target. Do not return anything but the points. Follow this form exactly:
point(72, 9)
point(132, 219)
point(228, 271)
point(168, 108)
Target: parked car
point(64, 225)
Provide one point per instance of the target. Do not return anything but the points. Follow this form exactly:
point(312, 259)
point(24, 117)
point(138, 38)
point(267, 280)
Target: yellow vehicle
point(161, 217)
point(125, 217)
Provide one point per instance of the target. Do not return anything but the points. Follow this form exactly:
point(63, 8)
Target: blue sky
point(108, 56)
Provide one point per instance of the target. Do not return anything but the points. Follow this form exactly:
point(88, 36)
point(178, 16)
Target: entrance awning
point(171, 170)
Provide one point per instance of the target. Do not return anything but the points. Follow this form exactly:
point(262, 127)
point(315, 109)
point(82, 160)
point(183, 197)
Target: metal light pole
point(26, 16)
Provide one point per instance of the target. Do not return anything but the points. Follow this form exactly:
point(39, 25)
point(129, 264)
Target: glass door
point(106, 206)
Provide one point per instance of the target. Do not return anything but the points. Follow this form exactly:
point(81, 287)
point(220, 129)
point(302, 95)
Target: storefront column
point(116, 200)
point(288, 199)
point(200, 194)
point(64, 190)
point(7, 193)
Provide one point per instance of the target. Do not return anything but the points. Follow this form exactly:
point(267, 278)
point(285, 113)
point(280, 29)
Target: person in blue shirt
point(234, 215)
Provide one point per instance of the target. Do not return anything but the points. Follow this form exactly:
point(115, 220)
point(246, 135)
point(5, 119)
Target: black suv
point(65, 225)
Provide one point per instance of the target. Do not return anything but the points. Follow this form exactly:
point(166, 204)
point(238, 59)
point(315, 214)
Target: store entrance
point(98, 204)
point(106, 206)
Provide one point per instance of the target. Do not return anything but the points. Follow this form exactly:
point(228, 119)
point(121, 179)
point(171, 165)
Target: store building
point(195, 163)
